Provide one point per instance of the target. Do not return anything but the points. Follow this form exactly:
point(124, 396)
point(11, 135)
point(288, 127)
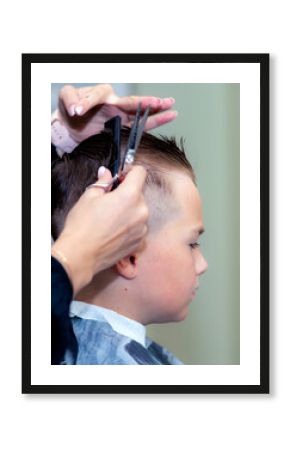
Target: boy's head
point(158, 284)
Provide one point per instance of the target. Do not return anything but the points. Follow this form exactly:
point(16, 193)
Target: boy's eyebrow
point(198, 231)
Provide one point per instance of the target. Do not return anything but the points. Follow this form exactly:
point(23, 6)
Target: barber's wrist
point(60, 136)
point(76, 264)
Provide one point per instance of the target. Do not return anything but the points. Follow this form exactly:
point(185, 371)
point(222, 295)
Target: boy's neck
point(110, 292)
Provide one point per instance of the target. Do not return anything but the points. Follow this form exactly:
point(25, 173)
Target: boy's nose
point(201, 264)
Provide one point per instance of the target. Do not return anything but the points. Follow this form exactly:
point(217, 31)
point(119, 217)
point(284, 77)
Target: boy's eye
point(194, 245)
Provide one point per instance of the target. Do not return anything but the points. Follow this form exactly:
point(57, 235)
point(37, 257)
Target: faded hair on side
point(74, 172)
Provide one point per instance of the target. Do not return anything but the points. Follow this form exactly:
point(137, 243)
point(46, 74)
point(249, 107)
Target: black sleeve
point(54, 155)
point(62, 335)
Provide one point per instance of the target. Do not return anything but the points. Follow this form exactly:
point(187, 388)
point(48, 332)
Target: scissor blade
point(141, 128)
point(131, 152)
point(132, 135)
point(134, 129)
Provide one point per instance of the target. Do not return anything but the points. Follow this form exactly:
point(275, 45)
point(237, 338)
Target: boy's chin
point(176, 317)
point(182, 316)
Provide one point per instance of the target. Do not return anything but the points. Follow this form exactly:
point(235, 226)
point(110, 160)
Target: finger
point(96, 95)
point(104, 176)
point(68, 96)
point(160, 119)
point(167, 103)
point(140, 245)
point(131, 103)
point(84, 91)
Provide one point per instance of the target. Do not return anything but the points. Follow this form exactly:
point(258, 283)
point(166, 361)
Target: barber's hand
point(85, 110)
point(102, 228)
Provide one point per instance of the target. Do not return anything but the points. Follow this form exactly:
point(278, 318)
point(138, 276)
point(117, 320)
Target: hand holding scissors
point(122, 167)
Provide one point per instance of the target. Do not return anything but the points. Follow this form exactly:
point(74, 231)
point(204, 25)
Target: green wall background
point(209, 120)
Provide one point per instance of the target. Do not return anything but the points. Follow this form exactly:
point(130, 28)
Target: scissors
point(121, 168)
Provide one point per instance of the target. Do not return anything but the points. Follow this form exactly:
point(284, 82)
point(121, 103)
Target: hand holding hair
point(83, 111)
point(102, 228)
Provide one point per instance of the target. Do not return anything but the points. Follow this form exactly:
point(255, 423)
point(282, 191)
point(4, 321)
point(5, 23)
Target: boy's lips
point(194, 291)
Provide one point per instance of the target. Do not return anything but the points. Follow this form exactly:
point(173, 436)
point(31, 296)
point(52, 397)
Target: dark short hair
point(75, 171)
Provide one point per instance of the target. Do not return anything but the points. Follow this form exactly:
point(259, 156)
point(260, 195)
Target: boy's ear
point(128, 267)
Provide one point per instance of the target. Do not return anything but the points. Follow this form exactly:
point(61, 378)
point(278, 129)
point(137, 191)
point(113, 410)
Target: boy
point(154, 286)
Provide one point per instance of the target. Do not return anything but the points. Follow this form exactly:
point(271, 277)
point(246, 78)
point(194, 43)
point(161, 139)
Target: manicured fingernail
point(101, 171)
point(78, 110)
point(71, 110)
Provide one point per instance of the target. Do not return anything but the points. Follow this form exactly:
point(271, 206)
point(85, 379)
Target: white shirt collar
point(121, 324)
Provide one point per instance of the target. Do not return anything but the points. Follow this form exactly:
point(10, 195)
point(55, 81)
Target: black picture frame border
point(261, 58)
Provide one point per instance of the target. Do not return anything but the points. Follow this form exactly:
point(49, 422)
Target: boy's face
point(171, 264)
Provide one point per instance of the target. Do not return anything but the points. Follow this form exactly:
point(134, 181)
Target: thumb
point(104, 174)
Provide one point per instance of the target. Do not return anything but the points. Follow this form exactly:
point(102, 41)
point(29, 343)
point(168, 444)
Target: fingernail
point(172, 99)
point(101, 171)
point(78, 110)
point(71, 110)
